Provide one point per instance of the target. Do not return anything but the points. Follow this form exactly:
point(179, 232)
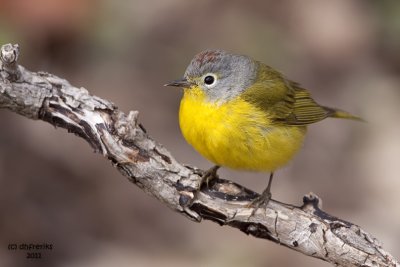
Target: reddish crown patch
point(207, 56)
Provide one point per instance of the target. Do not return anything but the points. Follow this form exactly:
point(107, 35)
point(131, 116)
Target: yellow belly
point(237, 134)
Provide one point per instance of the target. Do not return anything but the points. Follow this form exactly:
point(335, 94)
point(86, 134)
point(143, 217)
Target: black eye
point(209, 80)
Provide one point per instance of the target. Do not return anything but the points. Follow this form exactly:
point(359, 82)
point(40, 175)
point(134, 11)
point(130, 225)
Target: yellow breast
point(236, 134)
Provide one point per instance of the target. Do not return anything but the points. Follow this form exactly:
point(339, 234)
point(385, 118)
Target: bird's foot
point(260, 201)
point(263, 199)
point(209, 175)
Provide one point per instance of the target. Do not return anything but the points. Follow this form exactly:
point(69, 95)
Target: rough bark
point(121, 139)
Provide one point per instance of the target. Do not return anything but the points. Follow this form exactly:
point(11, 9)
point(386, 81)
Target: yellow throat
point(237, 134)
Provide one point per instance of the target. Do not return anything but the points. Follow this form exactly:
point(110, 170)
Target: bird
point(242, 114)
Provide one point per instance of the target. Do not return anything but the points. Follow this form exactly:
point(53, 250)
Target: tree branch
point(146, 163)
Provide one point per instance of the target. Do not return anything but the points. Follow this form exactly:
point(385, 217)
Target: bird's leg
point(209, 175)
point(264, 198)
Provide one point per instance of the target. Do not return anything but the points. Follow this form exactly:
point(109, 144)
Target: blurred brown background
point(54, 189)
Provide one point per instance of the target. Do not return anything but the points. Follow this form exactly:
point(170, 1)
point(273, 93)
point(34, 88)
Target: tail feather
point(337, 113)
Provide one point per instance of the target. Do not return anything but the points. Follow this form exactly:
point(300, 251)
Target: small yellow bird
point(242, 114)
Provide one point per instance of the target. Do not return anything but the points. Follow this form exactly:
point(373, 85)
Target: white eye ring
point(209, 80)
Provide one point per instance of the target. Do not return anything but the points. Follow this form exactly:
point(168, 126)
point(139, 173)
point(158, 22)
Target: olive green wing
point(304, 110)
point(285, 102)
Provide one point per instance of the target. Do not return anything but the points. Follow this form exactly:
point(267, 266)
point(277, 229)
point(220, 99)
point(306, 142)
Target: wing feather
point(304, 109)
point(284, 101)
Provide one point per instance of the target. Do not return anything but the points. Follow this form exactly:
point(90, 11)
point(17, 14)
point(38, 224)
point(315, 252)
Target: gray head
point(221, 75)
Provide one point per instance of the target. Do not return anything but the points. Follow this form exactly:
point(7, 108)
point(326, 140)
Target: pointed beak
point(180, 83)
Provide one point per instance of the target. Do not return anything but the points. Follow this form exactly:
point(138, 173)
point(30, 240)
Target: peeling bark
point(121, 139)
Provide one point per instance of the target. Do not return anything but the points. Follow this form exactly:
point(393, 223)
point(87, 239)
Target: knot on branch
point(311, 202)
point(126, 126)
point(8, 56)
